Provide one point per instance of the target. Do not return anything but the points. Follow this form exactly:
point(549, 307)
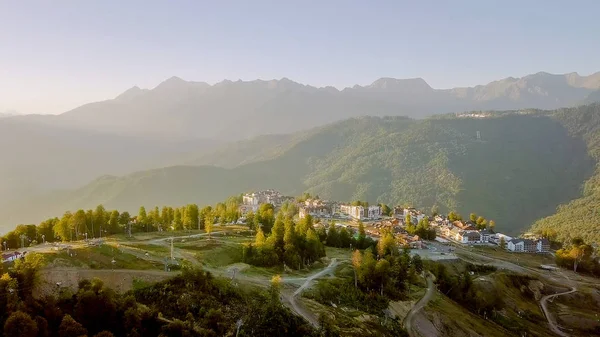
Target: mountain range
point(242, 109)
point(193, 142)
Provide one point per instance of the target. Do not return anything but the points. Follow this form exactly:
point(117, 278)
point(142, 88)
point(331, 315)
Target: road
point(408, 320)
point(548, 314)
point(300, 310)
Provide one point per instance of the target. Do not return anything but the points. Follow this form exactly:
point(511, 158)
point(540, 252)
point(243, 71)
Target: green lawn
point(100, 257)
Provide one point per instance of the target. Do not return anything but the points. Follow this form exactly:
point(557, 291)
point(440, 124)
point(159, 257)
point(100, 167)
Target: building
point(252, 201)
point(486, 235)
point(542, 245)
point(9, 257)
point(522, 245)
point(374, 212)
point(361, 213)
point(468, 237)
point(321, 211)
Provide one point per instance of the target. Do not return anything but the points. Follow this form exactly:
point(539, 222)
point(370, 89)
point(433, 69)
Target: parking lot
point(435, 251)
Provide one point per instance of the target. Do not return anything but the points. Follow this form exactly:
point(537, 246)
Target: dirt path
point(298, 308)
point(408, 320)
point(544, 304)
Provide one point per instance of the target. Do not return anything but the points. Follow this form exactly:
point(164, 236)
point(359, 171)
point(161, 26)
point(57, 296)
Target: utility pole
point(171, 248)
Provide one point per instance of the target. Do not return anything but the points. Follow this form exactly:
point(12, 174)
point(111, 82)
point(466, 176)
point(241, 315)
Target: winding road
point(548, 314)
point(299, 309)
point(408, 320)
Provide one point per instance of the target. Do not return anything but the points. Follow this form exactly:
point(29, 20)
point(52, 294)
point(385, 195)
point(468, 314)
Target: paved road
point(408, 320)
point(300, 310)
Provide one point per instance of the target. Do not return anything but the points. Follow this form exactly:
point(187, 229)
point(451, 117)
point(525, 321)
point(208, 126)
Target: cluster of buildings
point(328, 209)
point(252, 201)
point(466, 232)
point(463, 232)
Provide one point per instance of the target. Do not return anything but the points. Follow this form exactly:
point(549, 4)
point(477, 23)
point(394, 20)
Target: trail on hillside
point(408, 320)
point(298, 308)
point(544, 304)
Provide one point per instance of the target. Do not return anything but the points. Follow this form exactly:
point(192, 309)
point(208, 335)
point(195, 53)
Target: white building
point(542, 245)
point(521, 245)
point(374, 212)
point(9, 257)
point(361, 213)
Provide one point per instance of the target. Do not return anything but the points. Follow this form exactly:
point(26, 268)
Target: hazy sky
point(56, 55)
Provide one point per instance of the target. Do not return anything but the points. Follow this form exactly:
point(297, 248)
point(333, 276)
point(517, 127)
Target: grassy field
point(451, 319)
point(531, 260)
point(99, 257)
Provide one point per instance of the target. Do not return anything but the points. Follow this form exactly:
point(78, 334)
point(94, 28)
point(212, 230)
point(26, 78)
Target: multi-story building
point(361, 213)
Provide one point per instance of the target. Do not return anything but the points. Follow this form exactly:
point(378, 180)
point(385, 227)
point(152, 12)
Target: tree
point(473, 217)
point(63, 228)
point(260, 238)
point(142, 219)
point(492, 225)
point(579, 251)
point(124, 219)
point(78, 223)
point(45, 229)
point(209, 219)
point(275, 289)
point(20, 324)
point(418, 263)
point(202, 216)
point(435, 210)
point(333, 239)
point(345, 238)
point(407, 220)
point(177, 221)
point(113, 222)
point(191, 217)
point(104, 334)
point(385, 209)
point(362, 235)
point(356, 264)
point(502, 243)
point(100, 219)
point(386, 245)
point(71, 328)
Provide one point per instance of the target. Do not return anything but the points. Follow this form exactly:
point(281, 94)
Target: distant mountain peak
point(394, 84)
point(131, 93)
point(172, 83)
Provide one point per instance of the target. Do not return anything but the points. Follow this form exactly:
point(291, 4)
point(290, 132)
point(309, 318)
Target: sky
point(57, 55)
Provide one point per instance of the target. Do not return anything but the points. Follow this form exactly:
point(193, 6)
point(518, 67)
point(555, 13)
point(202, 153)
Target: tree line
point(99, 222)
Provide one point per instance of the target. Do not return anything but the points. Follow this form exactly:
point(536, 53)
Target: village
point(447, 230)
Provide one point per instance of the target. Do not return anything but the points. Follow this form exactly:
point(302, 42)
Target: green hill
point(523, 166)
point(580, 217)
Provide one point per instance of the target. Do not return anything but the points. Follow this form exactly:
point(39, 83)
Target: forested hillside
point(520, 169)
point(580, 217)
